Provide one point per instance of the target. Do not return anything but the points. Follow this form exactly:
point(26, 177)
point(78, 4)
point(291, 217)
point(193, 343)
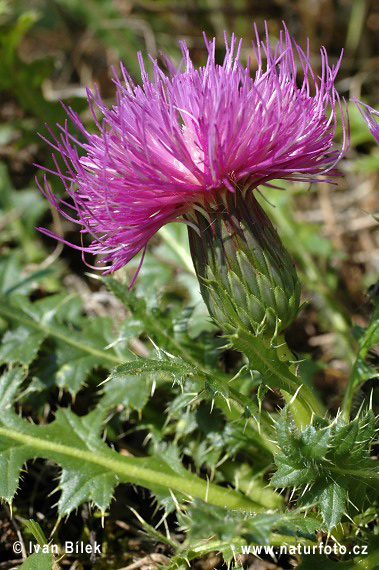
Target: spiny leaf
point(10, 382)
point(344, 437)
point(158, 324)
point(332, 500)
point(126, 390)
point(366, 429)
point(289, 474)
point(315, 442)
point(328, 462)
point(20, 345)
point(287, 437)
point(71, 359)
point(170, 367)
point(304, 526)
point(90, 469)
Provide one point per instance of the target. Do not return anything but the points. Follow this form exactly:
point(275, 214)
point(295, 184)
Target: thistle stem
point(278, 371)
point(357, 378)
point(302, 414)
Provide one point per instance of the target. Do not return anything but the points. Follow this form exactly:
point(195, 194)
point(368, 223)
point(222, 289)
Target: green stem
point(256, 489)
point(357, 377)
point(277, 372)
point(301, 414)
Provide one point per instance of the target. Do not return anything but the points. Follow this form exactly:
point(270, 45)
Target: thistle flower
point(188, 137)
point(369, 114)
point(247, 279)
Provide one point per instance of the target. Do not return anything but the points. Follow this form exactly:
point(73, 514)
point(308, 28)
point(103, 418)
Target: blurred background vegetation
point(51, 50)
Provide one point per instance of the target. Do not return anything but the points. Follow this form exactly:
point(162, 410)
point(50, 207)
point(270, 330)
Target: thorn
point(175, 500)
point(221, 461)
point(292, 494)
point(295, 394)
point(161, 521)
point(242, 369)
point(359, 410)
point(349, 517)
point(166, 528)
point(104, 381)
point(55, 526)
point(351, 502)
point(137, 515)
point(207, 490)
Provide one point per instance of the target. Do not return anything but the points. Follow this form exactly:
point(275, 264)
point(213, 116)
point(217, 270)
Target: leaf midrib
point(190, 484)
point(50, 331)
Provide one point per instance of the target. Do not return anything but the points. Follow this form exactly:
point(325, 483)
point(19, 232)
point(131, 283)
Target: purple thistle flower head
point(369, 114)
point(188, 135)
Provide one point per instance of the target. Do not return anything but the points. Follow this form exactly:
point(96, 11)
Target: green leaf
point(289, 474)
point(126, 390)
point(131, 328)
point(170, 367)
point(344, 437)
point(328, 462)
point(315, 442)
point(20, 345)
point(38, 561)
point(71, 359)
point(157, 323)
point(366, 429)
point(287, 437)
point(90, 469)
point(33, 528)
point(258, 529)
point(206, 520)
point(304, 526)
point(13, 278)
point(10, 382)
point(332, 501)
point(32, 318)
point(202, 520)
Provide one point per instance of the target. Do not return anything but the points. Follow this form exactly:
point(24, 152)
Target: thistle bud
point(246, 275)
